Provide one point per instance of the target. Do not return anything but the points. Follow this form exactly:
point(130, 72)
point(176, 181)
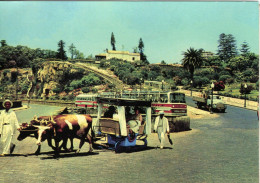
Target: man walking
point(8, 126)
point(161, 126)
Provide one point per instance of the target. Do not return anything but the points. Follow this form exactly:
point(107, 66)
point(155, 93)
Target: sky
point(167, 28)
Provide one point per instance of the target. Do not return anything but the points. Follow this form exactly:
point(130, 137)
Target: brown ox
point(70, 126)
point(40, 129)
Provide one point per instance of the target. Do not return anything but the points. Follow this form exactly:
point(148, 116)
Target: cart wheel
point(118, 148)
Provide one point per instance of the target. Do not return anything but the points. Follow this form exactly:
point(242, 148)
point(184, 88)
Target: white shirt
point(9, 118)
point(161, 123)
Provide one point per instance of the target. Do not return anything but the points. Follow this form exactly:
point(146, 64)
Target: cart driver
point(135, 122)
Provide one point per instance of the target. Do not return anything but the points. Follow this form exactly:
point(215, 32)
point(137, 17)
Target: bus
point(172, 103)
point(86, 100)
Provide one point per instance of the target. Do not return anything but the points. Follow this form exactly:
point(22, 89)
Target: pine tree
point(227, 47)
point(244, 48)
point(113, 41)
point(61, 52)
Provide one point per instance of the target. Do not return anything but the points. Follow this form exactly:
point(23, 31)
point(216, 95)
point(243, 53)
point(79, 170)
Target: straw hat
point(8, 101)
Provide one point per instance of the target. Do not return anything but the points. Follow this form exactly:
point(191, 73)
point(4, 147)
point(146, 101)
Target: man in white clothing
point(8, 126)
point(161, 126)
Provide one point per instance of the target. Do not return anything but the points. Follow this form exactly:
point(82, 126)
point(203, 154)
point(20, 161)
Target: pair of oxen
point(60, 128)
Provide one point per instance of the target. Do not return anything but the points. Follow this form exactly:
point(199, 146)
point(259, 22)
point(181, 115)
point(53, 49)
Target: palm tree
point(192, 59)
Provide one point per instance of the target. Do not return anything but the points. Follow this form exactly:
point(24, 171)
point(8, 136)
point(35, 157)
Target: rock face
point(49, 76)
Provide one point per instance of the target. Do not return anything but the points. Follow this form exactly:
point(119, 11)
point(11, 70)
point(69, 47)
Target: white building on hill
point(124, 55)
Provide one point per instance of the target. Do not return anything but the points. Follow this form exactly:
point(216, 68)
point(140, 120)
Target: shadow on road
point(137, 148)
point(70, 155)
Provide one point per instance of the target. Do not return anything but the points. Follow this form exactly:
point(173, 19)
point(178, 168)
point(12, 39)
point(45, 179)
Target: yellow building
point(124, 55)
point(207, 54)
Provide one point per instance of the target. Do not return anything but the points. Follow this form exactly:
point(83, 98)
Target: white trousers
point(6, 139)
point(161, 136)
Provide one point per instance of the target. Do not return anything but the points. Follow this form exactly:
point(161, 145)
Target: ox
point(30, 130)
point(70, 126)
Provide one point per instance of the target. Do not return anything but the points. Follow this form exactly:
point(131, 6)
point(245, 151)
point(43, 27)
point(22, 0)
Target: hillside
point(53, 76)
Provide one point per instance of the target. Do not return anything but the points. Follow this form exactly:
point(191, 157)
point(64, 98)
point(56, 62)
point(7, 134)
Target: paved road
point(223, 149)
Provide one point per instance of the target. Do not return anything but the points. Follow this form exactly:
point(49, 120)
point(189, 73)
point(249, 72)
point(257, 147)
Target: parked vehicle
point(206, 100)
point(86, 100)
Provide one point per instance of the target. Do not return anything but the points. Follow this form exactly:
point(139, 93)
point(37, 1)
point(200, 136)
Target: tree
point(244, 48)
point(141, 46)
point(163, 62)
point(61, 52)
point(79, 55)
point(3, 43)
point(227, 47)
point(72, 49)
point(113, 41)
point(143, 57)
point(192, 59)
point(135, 50)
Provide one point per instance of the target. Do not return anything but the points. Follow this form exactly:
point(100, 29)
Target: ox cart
point(117, 130)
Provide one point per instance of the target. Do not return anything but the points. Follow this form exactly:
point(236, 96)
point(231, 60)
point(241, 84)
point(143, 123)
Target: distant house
point(207, 54)
point(124, 55)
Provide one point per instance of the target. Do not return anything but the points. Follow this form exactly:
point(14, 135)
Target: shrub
point(254, 78)
point(68, 89)
point(55, 97)
point(184, 81)
point(57, 90)
point(85, 89)
point(24, 88)
point(75, 84)
point(224, 78)
point(246, 90)
point(230, 80)
point(200, 81)
point(218, 86)
point(90, 80)
point(257, 85)
point(5, 72)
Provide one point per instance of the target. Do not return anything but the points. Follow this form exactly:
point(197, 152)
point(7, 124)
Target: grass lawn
point(233, 90)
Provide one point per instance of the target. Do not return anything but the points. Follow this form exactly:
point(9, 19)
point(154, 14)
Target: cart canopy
point(121, 104)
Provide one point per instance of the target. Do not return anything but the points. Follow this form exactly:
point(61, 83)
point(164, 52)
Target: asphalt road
point(222, 149)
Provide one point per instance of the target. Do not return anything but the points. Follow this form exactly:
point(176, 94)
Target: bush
point(85, 89)
point(5, 72)
point(55, 97)
point(244, 90)
point(184, 82)
point(230, 80)
point(76, 84)
point(224, 78)
point(257, 85)
point(254, 79)
point(25, 88)
point(68, 89)
point(57, 90)
point(2, 88)
point(218, 86)
point(200, 81)
point(90, 80)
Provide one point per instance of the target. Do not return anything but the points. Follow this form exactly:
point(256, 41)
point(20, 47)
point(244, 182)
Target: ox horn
point(52, 120)
point(35, 117)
